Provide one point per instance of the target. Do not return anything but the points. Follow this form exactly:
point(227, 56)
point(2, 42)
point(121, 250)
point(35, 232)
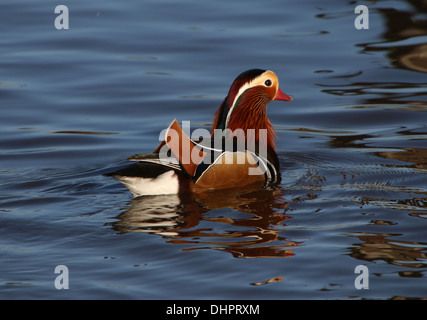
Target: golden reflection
point(260, 283)
point(416, 156)
point(416, 59)
point(377, 246)
point(243, 222)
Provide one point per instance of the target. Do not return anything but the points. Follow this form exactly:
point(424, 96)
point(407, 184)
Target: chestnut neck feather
point(250, 112)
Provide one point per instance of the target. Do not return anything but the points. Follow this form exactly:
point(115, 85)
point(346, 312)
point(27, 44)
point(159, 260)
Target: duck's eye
point(268, 82)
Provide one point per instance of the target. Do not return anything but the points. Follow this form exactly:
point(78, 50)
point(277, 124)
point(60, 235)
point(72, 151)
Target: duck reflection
point(243, 222)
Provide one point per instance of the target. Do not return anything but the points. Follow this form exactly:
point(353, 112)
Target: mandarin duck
point(239, 151)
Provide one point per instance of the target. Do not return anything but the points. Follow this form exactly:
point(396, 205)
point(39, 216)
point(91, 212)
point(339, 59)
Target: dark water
point(353, 149)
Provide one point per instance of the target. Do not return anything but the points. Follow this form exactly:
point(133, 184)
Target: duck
point(239, 150)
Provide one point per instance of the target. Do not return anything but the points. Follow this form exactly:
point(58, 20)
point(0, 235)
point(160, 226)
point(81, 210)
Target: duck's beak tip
point(282, 96)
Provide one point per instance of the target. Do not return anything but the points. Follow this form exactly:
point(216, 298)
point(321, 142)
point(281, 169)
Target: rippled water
point(353, 150)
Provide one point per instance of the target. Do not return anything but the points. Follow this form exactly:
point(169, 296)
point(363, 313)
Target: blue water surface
point(352, 145)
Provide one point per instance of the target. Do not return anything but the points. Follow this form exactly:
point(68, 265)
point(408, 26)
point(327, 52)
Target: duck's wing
point(177, 151)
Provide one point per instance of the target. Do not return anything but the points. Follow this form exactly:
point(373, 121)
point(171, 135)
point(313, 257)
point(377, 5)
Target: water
point(75, 103)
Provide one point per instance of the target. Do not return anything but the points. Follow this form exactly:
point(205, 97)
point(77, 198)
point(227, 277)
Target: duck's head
point(245, 106)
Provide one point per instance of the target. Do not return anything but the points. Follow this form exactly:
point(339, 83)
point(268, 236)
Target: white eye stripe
point(245, 87)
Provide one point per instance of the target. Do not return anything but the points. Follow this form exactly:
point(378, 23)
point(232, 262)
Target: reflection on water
point(407, 163)
point(381, 246)
point(252, 230)
point(401, 26)
point(352, 148)
point(416, 156)
point(416, 59)
point(248, 223)
point(396, 96)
